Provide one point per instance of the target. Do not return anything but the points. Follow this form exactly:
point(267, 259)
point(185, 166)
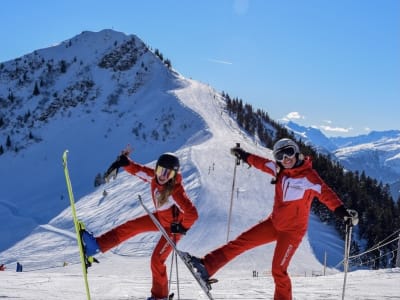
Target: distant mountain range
point(376, 153)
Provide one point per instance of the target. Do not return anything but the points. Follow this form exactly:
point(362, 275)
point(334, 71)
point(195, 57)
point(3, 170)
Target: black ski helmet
point(168, 160)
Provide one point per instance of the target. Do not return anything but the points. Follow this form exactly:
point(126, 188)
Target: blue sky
point(330, 64)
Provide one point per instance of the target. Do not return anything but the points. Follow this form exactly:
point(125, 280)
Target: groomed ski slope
point(122, 278)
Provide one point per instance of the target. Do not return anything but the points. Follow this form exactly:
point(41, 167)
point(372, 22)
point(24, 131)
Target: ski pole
point(174, 258)
point(177, 275)
point(170, 272)
point(347, 244)
point(237, 162)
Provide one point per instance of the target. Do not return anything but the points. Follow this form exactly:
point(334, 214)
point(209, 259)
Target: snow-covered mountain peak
point(311, 136)
point(91, 107)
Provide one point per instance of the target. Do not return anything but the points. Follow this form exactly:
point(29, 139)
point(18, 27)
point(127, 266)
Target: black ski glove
point(240, 153)
point(178, 228)
point(112, 171)
point(350, 216)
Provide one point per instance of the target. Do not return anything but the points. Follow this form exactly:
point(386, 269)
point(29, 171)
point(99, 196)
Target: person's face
point(289, 162)
point(164, 174)
point(287, 157)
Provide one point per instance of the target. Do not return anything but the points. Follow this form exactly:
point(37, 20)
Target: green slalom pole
point(76, 223)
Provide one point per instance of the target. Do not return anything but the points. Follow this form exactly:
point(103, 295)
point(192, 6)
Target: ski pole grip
point(237, 159)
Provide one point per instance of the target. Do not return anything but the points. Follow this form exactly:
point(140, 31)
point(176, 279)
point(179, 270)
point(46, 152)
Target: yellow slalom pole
point(76, 223)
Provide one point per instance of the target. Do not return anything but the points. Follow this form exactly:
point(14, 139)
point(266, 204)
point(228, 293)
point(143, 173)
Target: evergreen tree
point(8, 142)
point(63, 66)
point(168, 63)
point(11, 96)
point(36, 90)
point(98, 180)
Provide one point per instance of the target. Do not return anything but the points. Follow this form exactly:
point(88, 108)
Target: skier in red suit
point(174, 210)
point(296, 185)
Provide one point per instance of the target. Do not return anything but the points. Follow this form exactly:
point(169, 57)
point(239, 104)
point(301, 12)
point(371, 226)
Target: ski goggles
point(287, 152)
point(164, 174)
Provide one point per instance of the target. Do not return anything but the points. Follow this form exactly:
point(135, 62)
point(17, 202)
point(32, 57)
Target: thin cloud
point(294, 115)
point(220, 61)
point(336, 129)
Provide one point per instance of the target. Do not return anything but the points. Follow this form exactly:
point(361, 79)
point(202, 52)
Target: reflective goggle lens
point(288, 152)
point(164, 173)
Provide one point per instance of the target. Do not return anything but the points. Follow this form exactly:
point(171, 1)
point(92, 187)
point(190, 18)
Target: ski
point(79, 227)
point(205, 286)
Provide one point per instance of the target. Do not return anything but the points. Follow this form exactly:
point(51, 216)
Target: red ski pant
point(260, 234)
point(160, 254)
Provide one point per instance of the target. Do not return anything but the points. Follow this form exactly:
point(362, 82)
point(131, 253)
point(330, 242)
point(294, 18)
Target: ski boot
point(89, 243)
point(198, 265)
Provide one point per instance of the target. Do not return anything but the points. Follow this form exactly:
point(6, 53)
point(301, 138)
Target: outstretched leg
point(260, 234)
point(125, 231)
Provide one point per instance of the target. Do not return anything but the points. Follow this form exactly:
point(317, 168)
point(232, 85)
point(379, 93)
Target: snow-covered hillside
point(207, 168)
point(94, 121)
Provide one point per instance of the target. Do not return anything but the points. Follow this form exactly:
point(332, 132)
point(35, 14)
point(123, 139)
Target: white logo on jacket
point(294, 188)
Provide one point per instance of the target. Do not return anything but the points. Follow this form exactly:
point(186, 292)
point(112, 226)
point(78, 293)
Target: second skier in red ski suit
point(174, 210)
point(296, 185)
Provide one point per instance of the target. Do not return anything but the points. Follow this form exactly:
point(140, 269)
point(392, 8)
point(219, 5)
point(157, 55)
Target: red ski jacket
point(295, 189)
point(166, 212)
